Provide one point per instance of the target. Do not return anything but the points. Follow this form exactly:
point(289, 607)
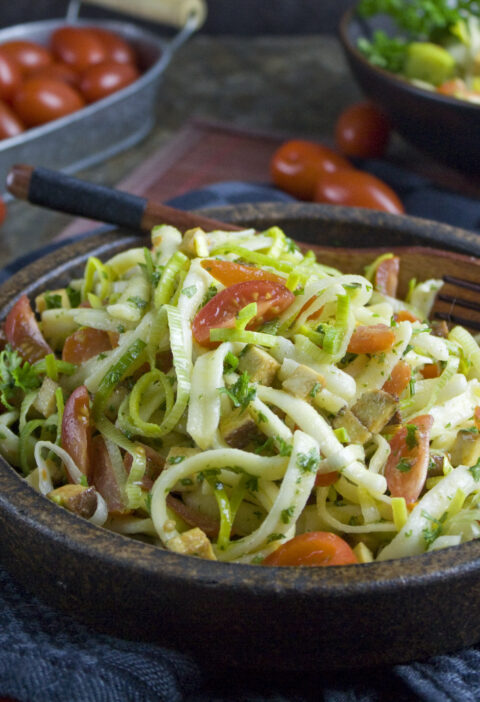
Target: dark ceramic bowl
point(249, 616)
point(443, 127)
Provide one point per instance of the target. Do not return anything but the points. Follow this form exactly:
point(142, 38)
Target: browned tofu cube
point(76, 498)
point(238, 428)
point(260, 366)
point(193, 542)
point(357, 432)
point(304, 382)
point(375, 409)
point(466, 449)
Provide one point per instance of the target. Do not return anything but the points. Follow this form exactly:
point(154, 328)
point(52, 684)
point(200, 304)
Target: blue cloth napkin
point(45, 656)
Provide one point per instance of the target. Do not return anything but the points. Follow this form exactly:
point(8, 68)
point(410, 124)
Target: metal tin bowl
point(231, 614)
point(104, 128)
point(444, 127)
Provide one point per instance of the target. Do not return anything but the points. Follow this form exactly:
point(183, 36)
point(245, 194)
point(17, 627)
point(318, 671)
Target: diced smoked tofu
point(76, 498)
point(260, 366)
point(45, 402)
point(466, 449)
point(357, 432)
point(238, 428)
point(193, 542)
point(304, 382)
point(375, 409)
point(52, 299)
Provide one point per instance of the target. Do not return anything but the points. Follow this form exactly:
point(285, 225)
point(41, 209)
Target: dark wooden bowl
point(249, 616)
point(443, 127)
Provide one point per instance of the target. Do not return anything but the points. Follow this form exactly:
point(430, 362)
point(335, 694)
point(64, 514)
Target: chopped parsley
point(404, 465)
point(412, 436)
point(287, 514)
point(475, 471)
point(73, 296)
point(190, 291)
point(432, 532)
point(137, 302)
point(315, 389)
point(308, 462)
point(176, 459)
point(241, 392)
point(53, 301)
point(274, 537)
point(15, 374)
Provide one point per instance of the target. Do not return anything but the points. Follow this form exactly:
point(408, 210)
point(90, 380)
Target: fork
point(458, 302)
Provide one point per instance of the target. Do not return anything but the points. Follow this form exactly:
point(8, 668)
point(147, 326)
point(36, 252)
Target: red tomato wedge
point(430, 370)
point(86, 343)
point(23, 333)
point(105, 479)
point(220, 313)
point(399, 379)
point(407, 465)
point(406, 316)
point(77, 429)
point(373, 338)
point(314, 548)
point(386, 276)
point(228, 273)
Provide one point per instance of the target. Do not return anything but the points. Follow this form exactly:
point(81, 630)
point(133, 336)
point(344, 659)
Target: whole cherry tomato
point(362, 131)
point(29, 56)
point(314, 548)
point(23, 333)
point(106, 78)
point(356, 189)
point(296, 165)
point(77, 430)
point(77, 47)
point(58, 71)
point(221, 312)
point(117, 48)
point(10, 125)
point(10, 76)
point(41, 100)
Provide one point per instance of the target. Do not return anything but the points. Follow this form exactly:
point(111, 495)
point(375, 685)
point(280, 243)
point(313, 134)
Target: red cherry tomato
point(3, 211)
point(58, 71)
point(228, 272)
point(41, 100)
point(314, 548)
point(77, 47)
point(84, 344)
point(77, 430)
point(10, 125)
point(106, 78)
point(362, 131)
point(117, 49)
point(10, 76)
point(28, 56)
point(23, 332)
point(356, 189)
point(105, 477)
point(399, 379)
point(296, 165)
point(372, 338)
point(407, 465)
point(271, 298)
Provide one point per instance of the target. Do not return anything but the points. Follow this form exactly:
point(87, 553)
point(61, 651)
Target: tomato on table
point(86, 343)
point(314, 548)
point(296, 165)
point(58, 71)
point(229, 273)
point(373, 338)
point(41, 100)
point(77, 47)
point(27, 55)
point(105, 78)
point(77, 429)
point(407, 465)
point(10, 124)
point(23, 333)
point(221, 311)
point(10, 76)
point(353, 188)
point(116, 48)
point(362, 131)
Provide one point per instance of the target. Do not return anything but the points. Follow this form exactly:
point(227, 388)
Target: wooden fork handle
point(57, 191)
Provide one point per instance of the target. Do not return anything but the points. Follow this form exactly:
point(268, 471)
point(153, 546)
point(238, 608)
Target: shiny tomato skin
point(296, 165)
point(58, 71)
point(355, 188)
point(362, 131)
point(10, 76)
point(106, 78)
point(221, 311)
point(85, 343)
point(408, 483)
point(41, 100)
point(228, 273)
point(373, 338)
point(28, 55)
point(23, 332)
point(77, 429)
point(10, 125)
point(105, 479)
point(314, 548)
point(77, 47)
point(117, 49)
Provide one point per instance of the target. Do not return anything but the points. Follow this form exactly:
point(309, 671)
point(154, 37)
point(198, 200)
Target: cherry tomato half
point(106, 78)
point(229, 273)
point(117, 49)
point(399, 379)
point(362, 131)
point(41, 100)
point(221, 311)
point(372, 338)
point(296, 165)
point(10, 76)
point(23, 332)
point(58, 71)
point(77, 430)
point(10, 125)
point(356, 189)
point(28, 55)
point(407, 465)
point(84, 344)
point(105, 478)
point(314, 548)
point(77, 47)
